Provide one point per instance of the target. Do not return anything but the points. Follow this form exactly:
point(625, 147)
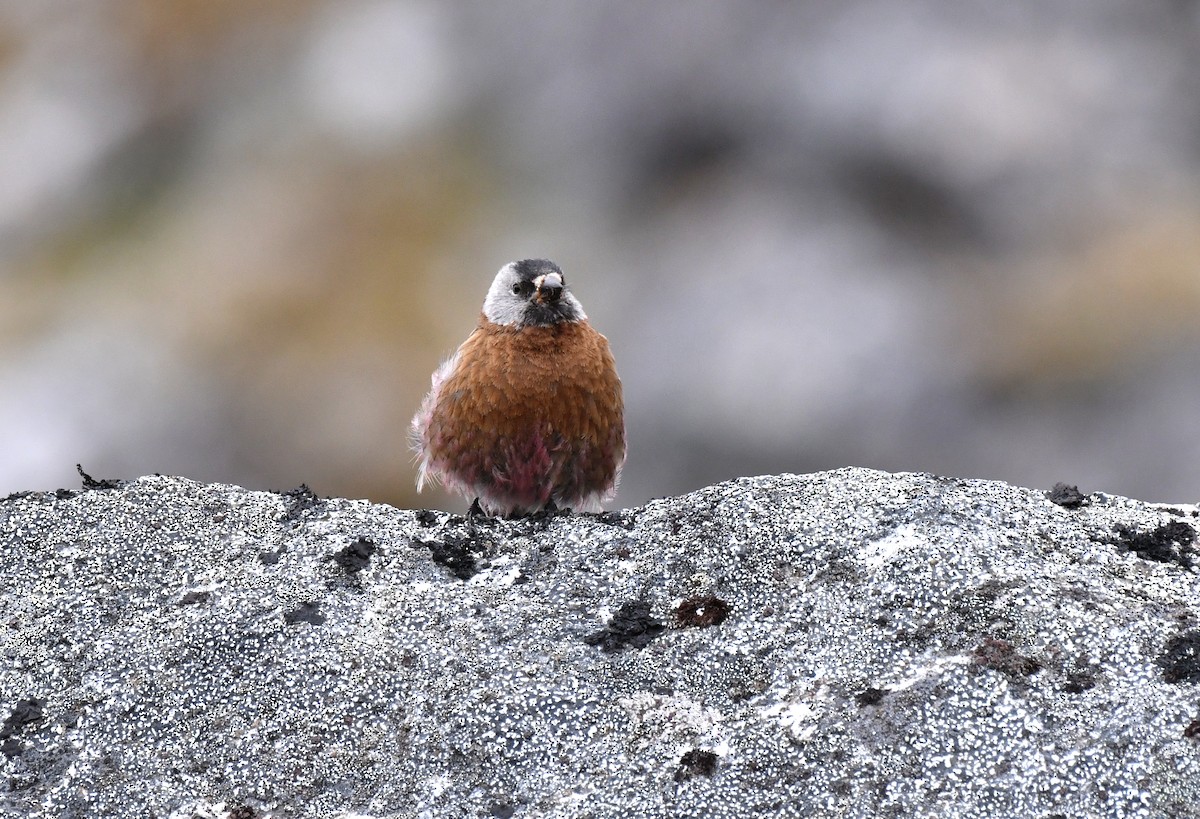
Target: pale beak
point(549, 288)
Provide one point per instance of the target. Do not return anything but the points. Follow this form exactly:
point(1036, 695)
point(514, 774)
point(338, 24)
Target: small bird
point(527, 415)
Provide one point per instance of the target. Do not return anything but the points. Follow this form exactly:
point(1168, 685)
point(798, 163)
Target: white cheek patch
point(501, 306)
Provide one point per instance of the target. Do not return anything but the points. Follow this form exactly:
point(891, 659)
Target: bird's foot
point(547, 512)
point(476, 514)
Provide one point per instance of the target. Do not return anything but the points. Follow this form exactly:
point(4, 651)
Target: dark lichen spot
point(1079, 681)
point(271, 558)
point(919, 637)
point(1180, 658)
point(503, 810)
point(298, 501)
point(1169, 543)
point(1066, 496)
point(64, 494)
point(870, 696)
point(999, 655)
point(632, 626)
point(25, 712)
point(1080, 674)
point(356, 556)
point(841, 787)
point(305, 613)
point(696, 763)
point(453, 552)
point(1192, 731)
point(90, 483)
point(701, 611)
point(243, 812)
point(624, 519)
point(427, 518)
point(193, 598)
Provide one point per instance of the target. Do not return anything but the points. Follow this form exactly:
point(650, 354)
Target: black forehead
point(530, 269)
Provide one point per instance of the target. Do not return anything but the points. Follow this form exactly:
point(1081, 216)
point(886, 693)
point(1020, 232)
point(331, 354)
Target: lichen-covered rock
point(850, 643)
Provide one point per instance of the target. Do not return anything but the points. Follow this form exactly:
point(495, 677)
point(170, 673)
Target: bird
point(528, 414)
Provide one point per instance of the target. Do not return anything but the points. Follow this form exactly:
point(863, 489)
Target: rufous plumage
point(528, 413)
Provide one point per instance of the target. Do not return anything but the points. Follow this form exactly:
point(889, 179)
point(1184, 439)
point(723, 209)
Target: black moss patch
point(194, 598)
point(696, 763)
point(90, 483)
point(1066, 496)
point(1080, 674)
point(870, 696)
point(1079, 681)
point(299, 501)
point(25, 712)
point(24, 493)
point(999, 655)
point(694, 519)
point(356, 556)
point(631, 627)
point(454, 552)
point(623, 550)
point(1180, 658)
point(701, 612)
point(625, 519)
point(427, 518)
point(65, 494)
point(304, 613)
point(1172, 542)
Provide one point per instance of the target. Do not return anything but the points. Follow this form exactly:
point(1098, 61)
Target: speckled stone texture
point(849, 643)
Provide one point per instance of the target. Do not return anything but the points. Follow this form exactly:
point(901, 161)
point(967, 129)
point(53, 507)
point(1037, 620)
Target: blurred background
point(237, 236)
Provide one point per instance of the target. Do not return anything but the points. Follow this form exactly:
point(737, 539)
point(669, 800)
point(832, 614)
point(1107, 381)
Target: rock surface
point(849, 643)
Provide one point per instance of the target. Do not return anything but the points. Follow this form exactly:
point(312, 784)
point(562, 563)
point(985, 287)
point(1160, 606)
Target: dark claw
point(548, 512)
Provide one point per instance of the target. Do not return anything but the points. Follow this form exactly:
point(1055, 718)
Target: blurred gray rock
point(849, 643)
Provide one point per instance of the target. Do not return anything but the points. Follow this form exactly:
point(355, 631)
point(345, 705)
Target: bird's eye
point(522, 288)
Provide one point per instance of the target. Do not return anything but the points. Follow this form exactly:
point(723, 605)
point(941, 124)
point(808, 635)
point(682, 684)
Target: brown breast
point(516, 391)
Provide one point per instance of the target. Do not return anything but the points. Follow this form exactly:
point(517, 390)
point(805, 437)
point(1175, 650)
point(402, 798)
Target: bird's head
point(531, 292)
